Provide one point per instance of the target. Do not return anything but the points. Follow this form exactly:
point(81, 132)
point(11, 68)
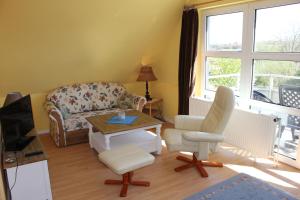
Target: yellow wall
point(45, 44)
point(167, 84)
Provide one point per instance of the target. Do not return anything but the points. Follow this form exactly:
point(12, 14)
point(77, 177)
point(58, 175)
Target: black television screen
point(16, 121)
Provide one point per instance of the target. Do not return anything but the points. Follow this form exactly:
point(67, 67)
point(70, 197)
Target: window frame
point(247, 54)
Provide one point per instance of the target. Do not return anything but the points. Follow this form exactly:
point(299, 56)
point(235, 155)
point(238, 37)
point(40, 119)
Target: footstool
point(123, 161)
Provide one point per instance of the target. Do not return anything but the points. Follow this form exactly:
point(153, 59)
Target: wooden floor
point(76, 173)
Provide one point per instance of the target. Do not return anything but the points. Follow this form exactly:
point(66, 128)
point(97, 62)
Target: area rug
point(242, 187)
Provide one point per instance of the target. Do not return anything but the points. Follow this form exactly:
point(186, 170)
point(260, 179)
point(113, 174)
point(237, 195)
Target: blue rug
point(242, 187)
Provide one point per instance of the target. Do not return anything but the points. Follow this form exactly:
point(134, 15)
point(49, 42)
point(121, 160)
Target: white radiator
point(250, 131)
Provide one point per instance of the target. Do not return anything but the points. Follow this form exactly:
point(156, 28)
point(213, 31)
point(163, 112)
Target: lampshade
point(12, 97)
point(146, 74)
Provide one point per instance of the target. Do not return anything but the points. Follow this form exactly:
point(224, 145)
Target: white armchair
point(198, 134)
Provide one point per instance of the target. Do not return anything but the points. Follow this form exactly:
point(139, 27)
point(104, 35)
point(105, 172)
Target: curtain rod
point(197, 5)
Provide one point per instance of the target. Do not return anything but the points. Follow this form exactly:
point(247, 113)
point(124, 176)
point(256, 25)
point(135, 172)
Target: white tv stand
point(30, 176)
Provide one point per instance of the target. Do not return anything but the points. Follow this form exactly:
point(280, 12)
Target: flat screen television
point(16, 121)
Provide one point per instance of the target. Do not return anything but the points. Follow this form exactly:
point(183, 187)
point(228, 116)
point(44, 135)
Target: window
point(230, 25)
point(277, 29)
point(253, 49)
point(223, 71)
point(224, 34)
point(268, 75)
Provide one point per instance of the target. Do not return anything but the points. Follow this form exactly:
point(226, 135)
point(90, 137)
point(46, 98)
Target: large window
point(253, 49)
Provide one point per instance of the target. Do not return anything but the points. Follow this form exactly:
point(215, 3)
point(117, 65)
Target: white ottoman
point(123, 161)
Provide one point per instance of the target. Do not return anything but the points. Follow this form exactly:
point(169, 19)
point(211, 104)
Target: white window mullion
point(203, 57)
point(276, 56)
point(246, 69)
point(224, 54)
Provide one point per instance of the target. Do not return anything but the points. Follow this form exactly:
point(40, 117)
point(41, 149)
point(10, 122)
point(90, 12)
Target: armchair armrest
point(196, 136)
point(57, 131)
point(188, 122)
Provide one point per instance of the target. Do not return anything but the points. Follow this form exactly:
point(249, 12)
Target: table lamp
point(146, 74)
point(12, 97)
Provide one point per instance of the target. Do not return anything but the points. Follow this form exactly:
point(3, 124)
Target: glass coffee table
point(109, 136)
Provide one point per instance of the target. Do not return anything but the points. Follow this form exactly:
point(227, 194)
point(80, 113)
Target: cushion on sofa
point(126, 101)
point(86, 97)
point(75, 98)
point(105, 95)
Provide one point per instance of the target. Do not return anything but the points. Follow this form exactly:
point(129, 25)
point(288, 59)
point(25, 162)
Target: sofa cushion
point(126, 101)
point(105, 95)
point(78, 121)
point(75, 98)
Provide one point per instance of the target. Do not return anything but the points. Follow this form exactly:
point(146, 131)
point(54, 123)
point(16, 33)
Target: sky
point(271, 23)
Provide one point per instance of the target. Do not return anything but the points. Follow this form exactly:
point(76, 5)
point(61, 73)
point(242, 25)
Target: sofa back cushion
point(105, 95)
point(84, 97)
point(72, 98)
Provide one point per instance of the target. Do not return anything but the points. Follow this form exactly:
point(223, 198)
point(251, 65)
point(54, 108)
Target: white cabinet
point(31, 183)
point(28, 176)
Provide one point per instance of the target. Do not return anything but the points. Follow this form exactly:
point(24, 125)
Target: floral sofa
point(68, 106)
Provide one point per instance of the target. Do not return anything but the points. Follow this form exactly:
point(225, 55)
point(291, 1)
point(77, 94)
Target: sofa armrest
point(131, 101)
point(139, 102)
point(57, 131)
point(51, 108)
point(187, 122)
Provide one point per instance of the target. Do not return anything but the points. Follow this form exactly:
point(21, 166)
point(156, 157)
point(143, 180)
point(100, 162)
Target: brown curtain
point(187, 56)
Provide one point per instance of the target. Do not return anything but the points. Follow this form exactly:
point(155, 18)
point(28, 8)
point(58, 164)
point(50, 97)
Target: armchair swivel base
point(199, 164)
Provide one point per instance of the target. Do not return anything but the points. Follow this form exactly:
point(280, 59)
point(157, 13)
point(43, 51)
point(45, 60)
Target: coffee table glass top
point(143, 120)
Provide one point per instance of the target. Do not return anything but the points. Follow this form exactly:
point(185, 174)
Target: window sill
point(256, 107)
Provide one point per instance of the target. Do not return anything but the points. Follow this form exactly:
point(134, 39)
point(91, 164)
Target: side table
point(154, 108)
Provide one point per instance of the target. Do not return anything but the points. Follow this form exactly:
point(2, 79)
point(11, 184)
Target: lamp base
point(148, 97)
